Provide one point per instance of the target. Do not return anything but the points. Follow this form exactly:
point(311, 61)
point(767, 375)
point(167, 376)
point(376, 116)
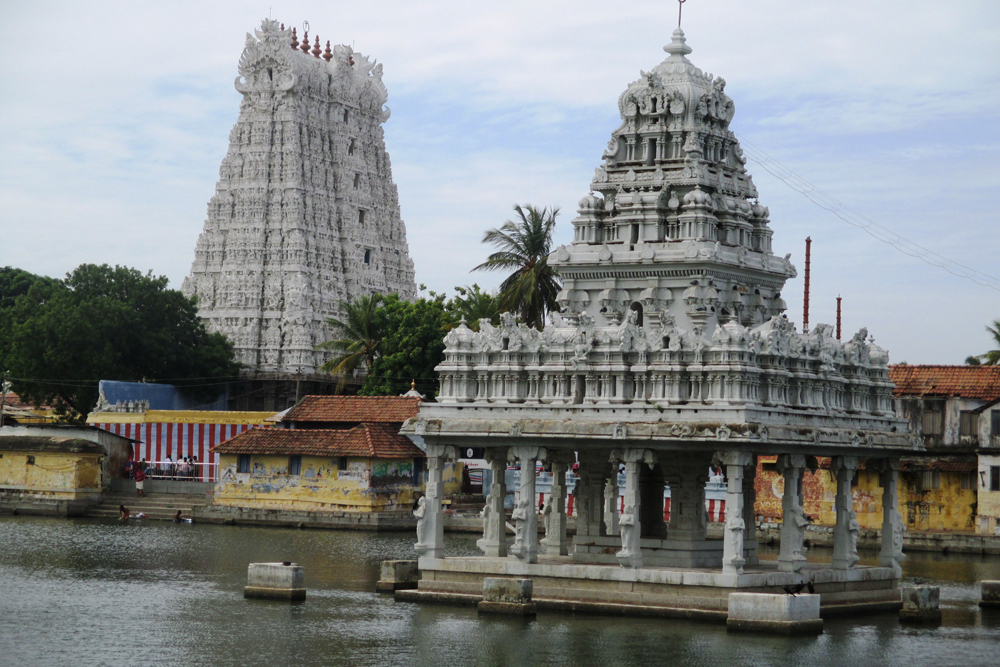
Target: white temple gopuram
point(305, 213)
point(670, 352)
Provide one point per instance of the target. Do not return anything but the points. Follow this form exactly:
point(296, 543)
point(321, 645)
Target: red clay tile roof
point(980, 382)
point(368, 440)
point(951, 464)
point(358, 409)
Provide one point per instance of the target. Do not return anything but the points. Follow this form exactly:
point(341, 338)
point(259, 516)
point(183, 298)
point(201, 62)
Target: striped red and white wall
point(716, 508)
point(158, 440)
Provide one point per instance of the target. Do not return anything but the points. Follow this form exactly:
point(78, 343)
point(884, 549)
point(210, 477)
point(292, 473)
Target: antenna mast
point(805, 298)
point(680, 7)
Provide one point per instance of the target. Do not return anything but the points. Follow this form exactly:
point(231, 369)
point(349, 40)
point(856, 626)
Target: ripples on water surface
point(93, 592)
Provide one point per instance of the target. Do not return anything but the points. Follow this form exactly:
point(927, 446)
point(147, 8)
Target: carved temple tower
point(670, 351)
point(305, 213)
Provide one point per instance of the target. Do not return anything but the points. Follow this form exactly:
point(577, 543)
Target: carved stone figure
point(611, 522)
point(423, 532)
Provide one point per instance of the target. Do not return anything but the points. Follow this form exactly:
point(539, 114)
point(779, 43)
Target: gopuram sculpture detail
point(305, 213)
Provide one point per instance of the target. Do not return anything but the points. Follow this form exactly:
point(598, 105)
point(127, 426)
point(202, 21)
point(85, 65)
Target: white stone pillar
point(430, 517)
point(630, 523)
point(845, 533)
point(688, 517)
point(792, 554)
point(891, 554)
point(611, 503)
point(494, 540)
point(525, 547)
point(732, 546)
point(555, 543)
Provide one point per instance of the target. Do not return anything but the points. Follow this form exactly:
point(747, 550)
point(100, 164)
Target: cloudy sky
point(114, 118)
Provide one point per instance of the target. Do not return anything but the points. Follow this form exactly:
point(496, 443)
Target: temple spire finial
point(680, 8)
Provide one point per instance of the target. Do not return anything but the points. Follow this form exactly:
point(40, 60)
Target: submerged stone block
point(398, 575)
point(507, 596)
point(990, 594)
point(771, 613)
point(921, 604)
point(275, 581)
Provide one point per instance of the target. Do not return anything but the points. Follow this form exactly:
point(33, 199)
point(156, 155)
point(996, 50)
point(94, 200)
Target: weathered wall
point(944, 509)
point(366, 485)
point(56, 475)
point(989, 501)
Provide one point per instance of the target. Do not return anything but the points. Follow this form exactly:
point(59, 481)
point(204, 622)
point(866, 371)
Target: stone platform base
point(655, 552)
point(41, 506)
point(393, 586)
point(265, 593)
point(561, 584)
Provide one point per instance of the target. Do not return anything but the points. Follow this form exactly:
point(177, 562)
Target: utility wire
point(852, 217)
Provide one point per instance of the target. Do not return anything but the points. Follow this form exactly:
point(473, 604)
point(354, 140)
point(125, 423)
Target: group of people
point(184, 468)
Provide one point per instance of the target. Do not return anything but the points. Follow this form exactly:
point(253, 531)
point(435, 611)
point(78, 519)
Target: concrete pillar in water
point(525, 547)
point(891, 554)
point(555, 543)
point(275, 581)
point(921, 604)
point(430, 517)
point(845, 532)
point(792, 553)
point(494, 540)
point(732, 546)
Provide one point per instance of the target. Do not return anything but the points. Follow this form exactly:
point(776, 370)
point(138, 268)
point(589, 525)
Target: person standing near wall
point(140, 479)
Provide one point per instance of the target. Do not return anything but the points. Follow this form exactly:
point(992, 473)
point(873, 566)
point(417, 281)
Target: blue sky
point(115, 117)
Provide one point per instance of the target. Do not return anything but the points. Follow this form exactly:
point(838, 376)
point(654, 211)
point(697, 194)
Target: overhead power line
point(869, 226)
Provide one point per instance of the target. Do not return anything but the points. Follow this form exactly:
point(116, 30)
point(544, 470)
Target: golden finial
point(328, 54)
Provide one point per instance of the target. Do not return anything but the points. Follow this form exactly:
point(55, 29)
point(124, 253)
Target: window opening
point(243, 463)
point(295, 465)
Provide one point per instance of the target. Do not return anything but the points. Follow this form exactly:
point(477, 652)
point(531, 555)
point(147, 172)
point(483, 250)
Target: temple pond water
point(94, 592)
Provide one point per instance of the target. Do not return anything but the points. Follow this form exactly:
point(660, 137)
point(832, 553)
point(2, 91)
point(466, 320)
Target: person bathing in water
point(123, 513)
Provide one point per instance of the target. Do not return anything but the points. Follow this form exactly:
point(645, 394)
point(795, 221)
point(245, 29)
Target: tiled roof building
point(345, 411)
point(975, 382)
point(365, 440)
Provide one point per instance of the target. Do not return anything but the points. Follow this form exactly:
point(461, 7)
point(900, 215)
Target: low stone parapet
point(507, 596)
point(771, 613)
point(397, 575)
point(921, 604)
point(275, 581)
point(990, 594)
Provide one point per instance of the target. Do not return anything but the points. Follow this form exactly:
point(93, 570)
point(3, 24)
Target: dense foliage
point(60, 337)
point(991, 358)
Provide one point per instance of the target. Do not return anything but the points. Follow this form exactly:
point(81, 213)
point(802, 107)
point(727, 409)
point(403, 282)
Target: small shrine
point(670, 353)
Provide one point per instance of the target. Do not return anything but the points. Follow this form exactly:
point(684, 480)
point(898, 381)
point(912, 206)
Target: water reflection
point(92, 592)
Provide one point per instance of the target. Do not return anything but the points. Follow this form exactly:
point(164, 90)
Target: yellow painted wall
point(948, 508)
point(54, 474)
point(366, 485)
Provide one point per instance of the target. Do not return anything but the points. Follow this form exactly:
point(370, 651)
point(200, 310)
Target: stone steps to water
point(162, 506)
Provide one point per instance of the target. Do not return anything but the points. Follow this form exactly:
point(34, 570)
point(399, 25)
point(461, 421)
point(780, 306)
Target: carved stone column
point(555, 543)
point(688, 518)
point(845, 533)
point(891, 554)
point(792, 554)
point(525, 547)
point(430, 518)
point(630, 523)
point(494, 540)
point(750, 514)
point(732, 547)
point(611, 503)
point(589, 494)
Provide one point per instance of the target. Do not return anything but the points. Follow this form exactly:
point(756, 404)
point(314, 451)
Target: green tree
point(360, 338)
point(412, 344)
point(523, 247)
point(991, 358)
point(109, 323)
point(473, 304)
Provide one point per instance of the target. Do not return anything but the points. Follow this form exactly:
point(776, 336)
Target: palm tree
point(473, 304)
point(524, 246)
point(359, 340)
point(991, 358)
